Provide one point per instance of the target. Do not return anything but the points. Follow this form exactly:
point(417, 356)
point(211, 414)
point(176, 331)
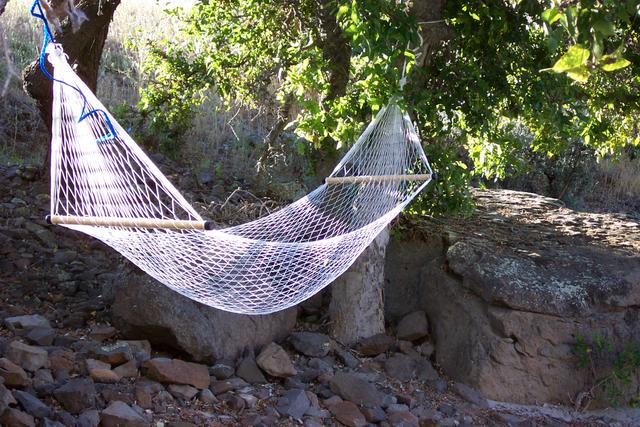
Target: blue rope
point(36, 11)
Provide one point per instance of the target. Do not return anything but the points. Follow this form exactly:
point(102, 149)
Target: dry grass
point(22, 133)
point(618, 187)
point(215, 136)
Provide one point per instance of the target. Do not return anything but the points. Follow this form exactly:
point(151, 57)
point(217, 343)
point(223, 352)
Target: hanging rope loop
point(48, 46)
point(417, 51)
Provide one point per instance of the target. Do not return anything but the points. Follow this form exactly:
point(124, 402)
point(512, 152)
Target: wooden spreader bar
point(376, 178)
point(173, 224)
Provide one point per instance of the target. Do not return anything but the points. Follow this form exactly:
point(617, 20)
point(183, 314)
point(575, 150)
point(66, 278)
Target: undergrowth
point(613, 371)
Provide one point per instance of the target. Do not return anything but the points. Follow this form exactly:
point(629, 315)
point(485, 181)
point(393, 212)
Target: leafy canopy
point(501, 79)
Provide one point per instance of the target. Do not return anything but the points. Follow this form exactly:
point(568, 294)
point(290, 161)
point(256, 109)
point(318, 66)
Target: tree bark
point(357, 303)
point(84, 49)
point(336, 48)
point(357, 299)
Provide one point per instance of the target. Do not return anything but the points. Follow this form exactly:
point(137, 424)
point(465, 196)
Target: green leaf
point(551, 15)
point(474, 16)
point(579, 74)
point(342, 10)
point(575, 57)
point(604, 27)
point(597, 48)
point(616, 65)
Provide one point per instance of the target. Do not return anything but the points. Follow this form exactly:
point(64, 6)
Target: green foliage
point(612, 371)
point(481, 101)
point(592, 28)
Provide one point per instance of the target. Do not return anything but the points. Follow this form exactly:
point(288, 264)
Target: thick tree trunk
point(84, 49)
point(357, 303)
point(357, 299)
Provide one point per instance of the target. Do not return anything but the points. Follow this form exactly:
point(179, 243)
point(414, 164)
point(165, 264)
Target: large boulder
point(145, 309)
point(509, 291)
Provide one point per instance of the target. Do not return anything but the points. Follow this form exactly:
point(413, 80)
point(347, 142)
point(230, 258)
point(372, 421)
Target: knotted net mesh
point(260, 267)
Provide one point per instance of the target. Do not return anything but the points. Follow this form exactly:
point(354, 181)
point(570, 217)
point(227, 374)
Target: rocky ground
point(63, 364)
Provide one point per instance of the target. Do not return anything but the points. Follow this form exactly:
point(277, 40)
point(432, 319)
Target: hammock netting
point(98, 172)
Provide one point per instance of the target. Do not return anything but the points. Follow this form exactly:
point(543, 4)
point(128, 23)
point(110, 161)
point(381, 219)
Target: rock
point(351, 387)
point(163, 398)
point(6, 398)
point(175, 371)
point(250, 400)
point(113, 354)
point(185, 392)
point(119, 414)
point(428, 417)
point(407, 348)
point(413, 326)
point(127, 370)
point(219, 387)
point(234, 402)
point(144, 308)
point(401, 367)
point(248, 370)
point(62, 359)
point(348, 414)
point(66, 418)
point(144, 392)
point(310, 344)
point(505, 318)
point(374, 414)
point(397, 407)
point(13, 375)
point(111, 392)
point(388, 400)
point(251, 419)
point(313, 422)
point(89, 418)
point(41, 336)
point(14, 418)
point(375, 345)
point(348, 359)
point(105, 376)
point(222, 371)
point(294, 403)
point(76, 395)
point(141, 349)
point(207, 396)
point(403, 419)
point(32, 404)
point(43, 382)
point(426, 349)
point(102, 332)
point(23, 324)
point(96, 364)
point(470, 395)
point(29, 357)
point(275, 361)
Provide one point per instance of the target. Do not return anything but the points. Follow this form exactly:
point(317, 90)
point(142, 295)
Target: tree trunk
point(357, 303)
point(357, 299)
point(3, 4)
point(84, 49)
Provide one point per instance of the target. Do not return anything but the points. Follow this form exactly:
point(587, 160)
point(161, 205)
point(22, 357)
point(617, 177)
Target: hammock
point(102, 184)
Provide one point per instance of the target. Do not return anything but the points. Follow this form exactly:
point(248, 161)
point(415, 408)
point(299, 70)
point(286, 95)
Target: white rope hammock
point(105, 186)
